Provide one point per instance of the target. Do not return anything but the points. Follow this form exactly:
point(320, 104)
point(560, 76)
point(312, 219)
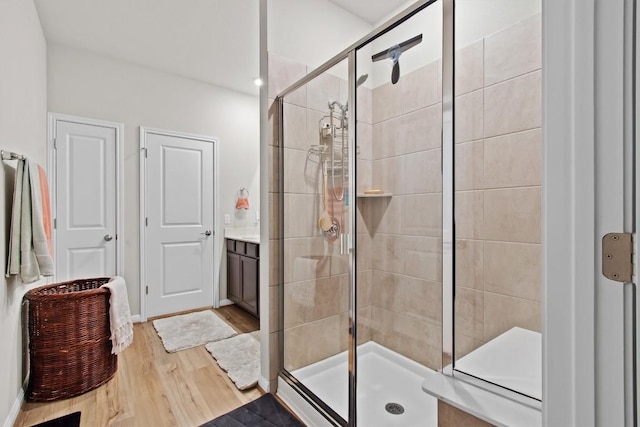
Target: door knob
point(108, 237)
point(207, 233)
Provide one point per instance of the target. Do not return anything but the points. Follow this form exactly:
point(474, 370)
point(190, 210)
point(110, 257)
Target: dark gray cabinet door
point(250, 274)
point(234, 278)
point(243, 275)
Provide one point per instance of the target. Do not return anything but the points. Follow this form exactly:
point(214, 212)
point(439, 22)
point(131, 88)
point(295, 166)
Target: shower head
point(394, 53)
point(361, 79)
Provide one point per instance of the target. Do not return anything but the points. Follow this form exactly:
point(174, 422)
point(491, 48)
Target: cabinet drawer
point(231, 245)
point(253, 250)
point(240, 247)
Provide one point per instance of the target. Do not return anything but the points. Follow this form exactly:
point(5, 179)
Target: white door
point(179, 243)
point(86, 200)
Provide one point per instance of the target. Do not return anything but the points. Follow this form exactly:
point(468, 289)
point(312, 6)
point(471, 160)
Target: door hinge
point(55, 143)
point(55, 223)
point(146, 152)
point(147, 289)
point(146, 221)
point(617, 257)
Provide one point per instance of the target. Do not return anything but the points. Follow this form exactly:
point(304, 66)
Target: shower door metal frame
point(349, 54)
point(448, 201)
point(448, 210)
point(353, 271)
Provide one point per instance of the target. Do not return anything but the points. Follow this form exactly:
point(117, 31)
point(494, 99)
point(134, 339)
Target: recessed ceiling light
point(257, 81)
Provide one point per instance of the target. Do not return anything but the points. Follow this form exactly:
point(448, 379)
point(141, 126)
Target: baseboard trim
point(264, 384)
point(15, 409)
point(303, 409)
point(136, 318)
point(225, 301)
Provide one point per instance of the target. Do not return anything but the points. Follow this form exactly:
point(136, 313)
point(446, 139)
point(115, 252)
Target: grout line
point(486, 137)
point(527, 73)
point(498, 188)
point(511, 296)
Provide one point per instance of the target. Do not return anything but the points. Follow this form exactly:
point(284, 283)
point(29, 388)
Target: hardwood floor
point(240, 319)
point(155, 388)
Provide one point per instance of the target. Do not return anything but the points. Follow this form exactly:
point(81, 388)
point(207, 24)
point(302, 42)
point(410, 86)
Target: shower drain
point(394, 408)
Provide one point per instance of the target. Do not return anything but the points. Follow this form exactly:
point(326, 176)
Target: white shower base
point(384, 376)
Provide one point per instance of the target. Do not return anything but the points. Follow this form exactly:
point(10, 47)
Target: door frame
point(52, 120)
point(217, 237)
point(584, 64)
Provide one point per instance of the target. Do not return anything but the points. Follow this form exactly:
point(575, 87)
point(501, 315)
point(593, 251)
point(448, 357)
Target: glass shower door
point(399, 221)
point(498, 187)
point(361, 227)
point(315, 220)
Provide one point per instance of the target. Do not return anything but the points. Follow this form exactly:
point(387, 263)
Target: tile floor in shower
point(383, 377)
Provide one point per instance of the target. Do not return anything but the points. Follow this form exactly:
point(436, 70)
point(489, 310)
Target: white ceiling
point(214, 41)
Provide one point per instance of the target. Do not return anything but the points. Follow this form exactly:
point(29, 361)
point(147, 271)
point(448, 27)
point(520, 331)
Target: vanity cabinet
point(243, 275)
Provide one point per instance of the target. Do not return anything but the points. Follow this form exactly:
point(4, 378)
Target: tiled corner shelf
point(373, 196)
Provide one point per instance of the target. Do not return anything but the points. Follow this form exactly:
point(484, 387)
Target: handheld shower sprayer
point(333, 129)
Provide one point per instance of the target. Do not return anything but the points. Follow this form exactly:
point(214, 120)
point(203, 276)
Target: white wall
point(83, 84)
point(23, 128)
point(311, 31)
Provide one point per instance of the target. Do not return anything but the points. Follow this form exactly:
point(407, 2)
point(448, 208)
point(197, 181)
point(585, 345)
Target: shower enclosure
point(409, 215)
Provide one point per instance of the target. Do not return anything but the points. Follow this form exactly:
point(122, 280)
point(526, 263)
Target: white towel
point(29, 254)
point(13, 264)
point(119, 315)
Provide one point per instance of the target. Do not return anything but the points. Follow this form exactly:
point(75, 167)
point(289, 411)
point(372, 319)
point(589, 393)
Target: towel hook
point(242, 199)
point(10, 155)
point(243, 193)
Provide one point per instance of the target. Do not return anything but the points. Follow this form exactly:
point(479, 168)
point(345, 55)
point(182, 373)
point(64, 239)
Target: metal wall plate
point(617, 257)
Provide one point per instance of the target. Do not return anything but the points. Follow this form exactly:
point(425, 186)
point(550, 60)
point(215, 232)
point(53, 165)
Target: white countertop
point(244, 234)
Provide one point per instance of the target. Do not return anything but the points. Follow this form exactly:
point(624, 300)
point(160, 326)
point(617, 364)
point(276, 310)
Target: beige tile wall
point(316, 281)
point(406, 229)
point(498, 185)
point(498, 193)
point(365, 256)
point(450, 416)
point(282, 72)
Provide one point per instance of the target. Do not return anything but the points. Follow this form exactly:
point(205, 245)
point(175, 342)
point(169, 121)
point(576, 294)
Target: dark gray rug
point(265, 411)
point(70, 420)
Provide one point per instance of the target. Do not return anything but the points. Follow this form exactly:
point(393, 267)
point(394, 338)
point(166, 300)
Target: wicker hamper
point(69, 345)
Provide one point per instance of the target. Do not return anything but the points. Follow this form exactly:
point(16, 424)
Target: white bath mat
point(240, 357)
point(191, 330)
